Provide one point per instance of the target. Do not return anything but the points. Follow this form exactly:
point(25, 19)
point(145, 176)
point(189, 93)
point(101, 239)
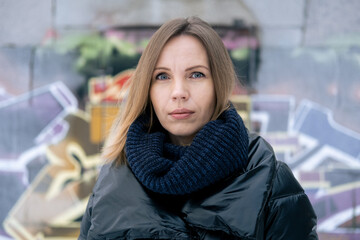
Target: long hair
point(138, 99)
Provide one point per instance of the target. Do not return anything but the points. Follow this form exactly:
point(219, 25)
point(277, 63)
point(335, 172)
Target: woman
point(181, 163)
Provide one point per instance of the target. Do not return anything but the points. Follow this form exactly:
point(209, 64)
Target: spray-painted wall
point(305, 100)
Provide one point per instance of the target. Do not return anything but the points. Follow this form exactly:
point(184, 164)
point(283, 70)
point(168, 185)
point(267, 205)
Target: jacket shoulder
point(120, 208)
point(284, 182)
point(260, 152)
point(290, 215)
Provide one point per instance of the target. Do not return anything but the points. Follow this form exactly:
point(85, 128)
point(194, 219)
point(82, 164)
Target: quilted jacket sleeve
point(86, 223)
point(290, 213)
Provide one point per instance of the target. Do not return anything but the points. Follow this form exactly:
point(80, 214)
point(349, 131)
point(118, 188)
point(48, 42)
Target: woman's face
point(182, 89)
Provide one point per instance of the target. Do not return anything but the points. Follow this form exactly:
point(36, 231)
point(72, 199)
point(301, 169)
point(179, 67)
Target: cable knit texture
point(218, 150)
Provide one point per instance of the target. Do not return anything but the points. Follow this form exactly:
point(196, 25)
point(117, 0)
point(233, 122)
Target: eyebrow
point(187, 69)
point(162, 68)
point(197, 66)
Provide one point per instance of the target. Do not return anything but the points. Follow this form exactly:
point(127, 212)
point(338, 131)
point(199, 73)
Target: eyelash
point(157, 77)
point(161, 74)
point(198, 73)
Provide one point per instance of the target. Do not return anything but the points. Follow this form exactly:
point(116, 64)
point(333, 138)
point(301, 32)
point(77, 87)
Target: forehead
point(183, 47)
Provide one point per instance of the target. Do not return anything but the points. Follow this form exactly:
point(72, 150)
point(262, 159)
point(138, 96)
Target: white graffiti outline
point(332, 223)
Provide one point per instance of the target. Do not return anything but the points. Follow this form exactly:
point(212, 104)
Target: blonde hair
point(138, 100)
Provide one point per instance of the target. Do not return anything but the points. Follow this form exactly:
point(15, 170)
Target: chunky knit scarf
point(218, 150)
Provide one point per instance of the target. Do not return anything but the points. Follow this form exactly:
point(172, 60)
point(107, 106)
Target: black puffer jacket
point(265, 202)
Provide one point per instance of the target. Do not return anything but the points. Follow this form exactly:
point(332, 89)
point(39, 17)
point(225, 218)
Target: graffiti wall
point(323, 155)
point(51, 139)
point(51, 136)
point(48, 167)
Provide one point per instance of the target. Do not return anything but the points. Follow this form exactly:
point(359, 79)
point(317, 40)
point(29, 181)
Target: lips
point(181, 113)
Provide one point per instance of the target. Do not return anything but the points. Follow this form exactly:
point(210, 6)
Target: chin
point(180, 132)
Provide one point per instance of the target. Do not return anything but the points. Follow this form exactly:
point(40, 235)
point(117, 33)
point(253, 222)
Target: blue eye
point(162, 76)
point(197, 75)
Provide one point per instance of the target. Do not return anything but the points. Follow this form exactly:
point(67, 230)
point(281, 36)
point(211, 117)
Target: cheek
point(156, 98)
point(210, 105)
point(151, 93)
point(208, 99)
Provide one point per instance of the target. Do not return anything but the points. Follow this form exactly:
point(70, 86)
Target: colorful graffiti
point(50, 142)
point(53, 174)
point(49, 145)
point(324, 156)
point(50, 166)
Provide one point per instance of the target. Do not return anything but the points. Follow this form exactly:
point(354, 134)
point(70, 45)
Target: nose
point(180, 90)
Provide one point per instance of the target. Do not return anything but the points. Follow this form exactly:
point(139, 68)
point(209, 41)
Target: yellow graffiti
point(57, 198)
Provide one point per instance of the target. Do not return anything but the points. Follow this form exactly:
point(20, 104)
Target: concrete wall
point(313, 40)
point(309, 66)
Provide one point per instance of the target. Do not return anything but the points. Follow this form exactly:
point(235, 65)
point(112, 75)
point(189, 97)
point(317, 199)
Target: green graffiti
point(240, 53)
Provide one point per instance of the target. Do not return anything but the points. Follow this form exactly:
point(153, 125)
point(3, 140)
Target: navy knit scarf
point(218, 150)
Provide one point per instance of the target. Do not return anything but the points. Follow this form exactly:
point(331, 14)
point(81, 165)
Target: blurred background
point(65, 65)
